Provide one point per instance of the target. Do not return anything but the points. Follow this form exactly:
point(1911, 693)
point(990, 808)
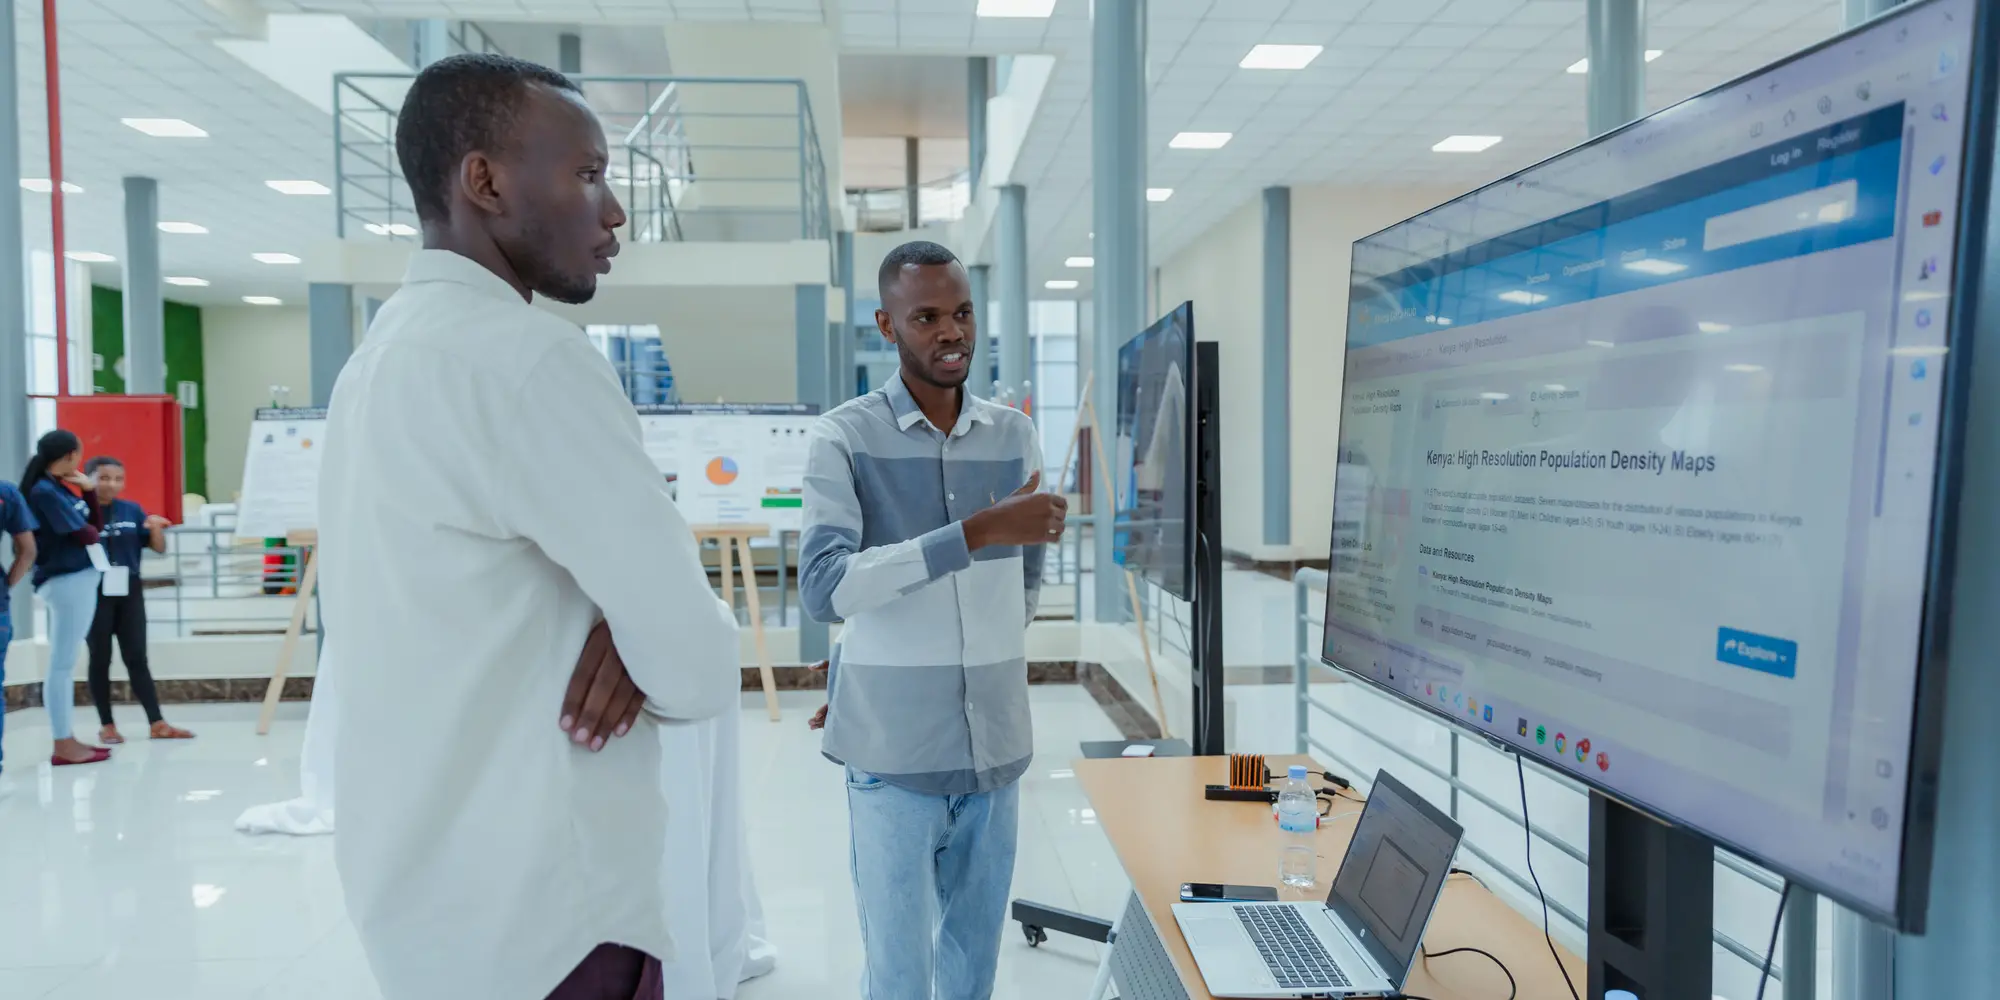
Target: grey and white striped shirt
point(930, 685)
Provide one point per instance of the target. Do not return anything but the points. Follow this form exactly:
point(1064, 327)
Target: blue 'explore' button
point(1757, 652)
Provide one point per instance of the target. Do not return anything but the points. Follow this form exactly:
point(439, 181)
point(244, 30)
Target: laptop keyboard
point(1291, 950)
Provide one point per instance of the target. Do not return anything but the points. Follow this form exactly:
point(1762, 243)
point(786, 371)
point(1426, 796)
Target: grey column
point(1118, 197)
point(330, 330)
point(1616, 45)
point(978, 89)
point(569, 53)
point(981, 380)
point(1010, 241)
point(430, 40)
point(15, 428)
point(912, 162)
point(809, 319)
point(1277, 381)
point(842, 370)
point(145, 302)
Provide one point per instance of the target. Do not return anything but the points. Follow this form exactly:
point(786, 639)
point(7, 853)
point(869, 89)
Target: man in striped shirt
point(924, 532)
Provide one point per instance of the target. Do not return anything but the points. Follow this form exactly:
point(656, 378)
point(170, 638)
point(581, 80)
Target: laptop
point(1361, 941)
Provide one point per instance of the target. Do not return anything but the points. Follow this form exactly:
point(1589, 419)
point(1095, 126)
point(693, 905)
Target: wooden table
point(1165, 834)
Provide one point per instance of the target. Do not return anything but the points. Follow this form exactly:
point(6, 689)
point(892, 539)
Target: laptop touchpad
point(1213, 933)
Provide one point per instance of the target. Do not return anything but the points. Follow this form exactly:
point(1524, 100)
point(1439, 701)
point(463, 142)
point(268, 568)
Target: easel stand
point(308, 541)
point(1652, 905)
point(733, 539)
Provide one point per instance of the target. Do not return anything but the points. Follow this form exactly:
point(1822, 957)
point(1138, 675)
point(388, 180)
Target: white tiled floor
point(126, 879)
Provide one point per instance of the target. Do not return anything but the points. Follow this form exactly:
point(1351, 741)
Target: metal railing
point(1310, 615)
point(887, 209)
point(209, 585)
point(692, 158)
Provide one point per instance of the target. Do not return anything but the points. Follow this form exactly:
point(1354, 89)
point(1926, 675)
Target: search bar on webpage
point(1827, 206)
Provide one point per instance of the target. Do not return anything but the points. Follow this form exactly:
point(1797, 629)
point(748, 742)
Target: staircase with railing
point(692, 158)
point(887, 209)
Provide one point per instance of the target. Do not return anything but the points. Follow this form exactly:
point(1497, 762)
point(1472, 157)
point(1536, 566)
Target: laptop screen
point(1394, 869)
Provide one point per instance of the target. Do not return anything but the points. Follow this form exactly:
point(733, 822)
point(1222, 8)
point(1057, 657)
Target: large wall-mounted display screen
point(1639, 452)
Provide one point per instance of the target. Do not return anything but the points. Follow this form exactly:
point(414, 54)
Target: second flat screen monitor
point(1152, 453)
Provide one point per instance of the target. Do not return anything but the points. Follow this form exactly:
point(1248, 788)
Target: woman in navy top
point(65, 502)
point(121, 610)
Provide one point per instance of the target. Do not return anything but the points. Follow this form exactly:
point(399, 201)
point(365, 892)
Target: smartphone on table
point(1217, 892)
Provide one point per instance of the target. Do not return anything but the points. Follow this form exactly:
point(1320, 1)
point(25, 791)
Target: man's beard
point(923, 372)
point(541, 276)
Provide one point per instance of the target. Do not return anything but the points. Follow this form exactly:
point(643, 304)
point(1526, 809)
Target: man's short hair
point(922, 253)
point(90, 468)
point(460, 105)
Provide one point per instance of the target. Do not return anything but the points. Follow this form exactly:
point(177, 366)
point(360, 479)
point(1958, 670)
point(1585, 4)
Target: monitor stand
point(1652, 905)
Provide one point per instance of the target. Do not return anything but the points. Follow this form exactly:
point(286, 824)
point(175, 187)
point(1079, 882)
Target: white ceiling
point(1396, 76)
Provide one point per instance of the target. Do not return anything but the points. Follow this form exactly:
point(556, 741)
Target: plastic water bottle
point(1298, 817)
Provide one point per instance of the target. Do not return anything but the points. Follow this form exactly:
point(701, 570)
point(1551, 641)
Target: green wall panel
point(184, 364)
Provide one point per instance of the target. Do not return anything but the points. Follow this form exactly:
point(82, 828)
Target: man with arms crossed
point(481, 484)
point(924, 531)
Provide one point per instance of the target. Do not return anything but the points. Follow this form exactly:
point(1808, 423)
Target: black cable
point(1528, 832)
point(1772, 950)
point(1470, 875)
point(1513, 988)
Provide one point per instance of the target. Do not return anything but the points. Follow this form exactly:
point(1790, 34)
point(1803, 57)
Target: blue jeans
point(72, 601)
point(931, 879)
point(6, 639)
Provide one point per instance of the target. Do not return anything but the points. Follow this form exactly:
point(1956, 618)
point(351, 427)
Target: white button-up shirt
point(484, 499)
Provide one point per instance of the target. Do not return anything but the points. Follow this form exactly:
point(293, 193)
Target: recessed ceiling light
point(298, 187)
point(1654, 265)
point(391, 229)
point(1743, 368)
point(1466, 144)
point(90, 257)
point(41, 185)
point(184, 228)
point(1600, 343)
point(166, 128)
point(274, 258)
point(1156, 194)
point(1016, 8)
point(1707, 327)
point(1080, 262)
point(1520, 297)
point(1201, 140)
point(263, 300)
point(186, 282)
point(1281, 56)
point(1582, 66)
point(1060, 285)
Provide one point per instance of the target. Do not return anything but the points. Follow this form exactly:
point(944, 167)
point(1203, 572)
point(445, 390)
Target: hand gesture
point(602, 701)
point(818, 720)
point(80, 481)
point(155, 522)
point(1026, 517)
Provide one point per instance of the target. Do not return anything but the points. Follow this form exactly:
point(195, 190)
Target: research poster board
point(281, 472)
point(732, 464)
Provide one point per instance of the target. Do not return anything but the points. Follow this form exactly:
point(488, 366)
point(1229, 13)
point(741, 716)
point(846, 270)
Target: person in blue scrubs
point(19, 526)
point(121, 602)
point(64, 501)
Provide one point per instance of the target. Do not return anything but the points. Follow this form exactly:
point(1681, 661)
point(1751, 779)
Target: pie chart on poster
point(722, 471)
